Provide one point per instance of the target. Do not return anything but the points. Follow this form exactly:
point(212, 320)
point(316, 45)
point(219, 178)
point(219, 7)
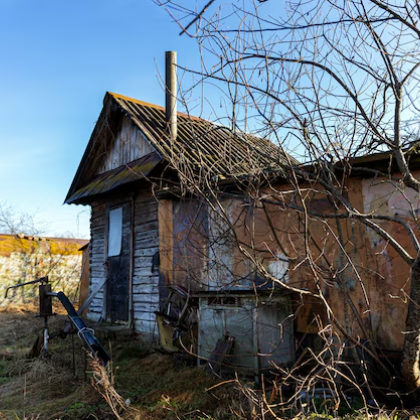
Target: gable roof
point(199, 144)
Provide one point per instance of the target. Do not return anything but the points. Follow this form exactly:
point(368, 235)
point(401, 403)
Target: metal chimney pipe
point(171, 93)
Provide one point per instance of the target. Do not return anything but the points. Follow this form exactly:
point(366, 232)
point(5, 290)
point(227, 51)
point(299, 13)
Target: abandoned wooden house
point(155, 245)
point(145, 237)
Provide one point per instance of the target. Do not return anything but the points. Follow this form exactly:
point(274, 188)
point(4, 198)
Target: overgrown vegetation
point(151, 385)
point(140, 384)
point(335, 86)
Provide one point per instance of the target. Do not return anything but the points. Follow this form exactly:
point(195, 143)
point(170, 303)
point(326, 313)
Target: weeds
point(139, 385)
point(102, 381)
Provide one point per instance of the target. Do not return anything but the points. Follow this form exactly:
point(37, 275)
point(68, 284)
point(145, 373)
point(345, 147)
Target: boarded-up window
point(115, 232)
point(189, 246)
point(221, 246)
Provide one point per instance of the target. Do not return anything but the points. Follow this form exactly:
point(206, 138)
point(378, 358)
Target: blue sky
point(57, 60)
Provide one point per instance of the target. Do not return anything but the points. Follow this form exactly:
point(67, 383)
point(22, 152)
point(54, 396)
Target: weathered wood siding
point(97, 257)
point(146, 273)
point(166, 241)
point(145, 281)
point(84, 277)
point(129, 144)
point(190, 244)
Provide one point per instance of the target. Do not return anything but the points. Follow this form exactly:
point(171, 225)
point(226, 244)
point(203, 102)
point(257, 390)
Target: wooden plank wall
point(145, 281)
point(190, 244)
point(97, 257)
point(84, 277)
point(166, 240)
point(145, 291)
point(129, 144)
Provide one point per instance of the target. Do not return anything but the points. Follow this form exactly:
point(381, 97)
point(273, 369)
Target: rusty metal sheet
point(107, 181)
point(263, 333)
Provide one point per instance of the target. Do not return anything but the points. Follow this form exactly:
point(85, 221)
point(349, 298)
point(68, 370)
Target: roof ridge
point(234, 131)
point(150, 105)
point(253, 141)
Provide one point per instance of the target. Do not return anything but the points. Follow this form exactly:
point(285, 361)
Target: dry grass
point(141, 385)
point(39, 388)
point(159, 386)
point(138, 385)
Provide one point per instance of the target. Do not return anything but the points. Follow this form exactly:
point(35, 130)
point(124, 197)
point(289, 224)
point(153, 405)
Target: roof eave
point(117, 178)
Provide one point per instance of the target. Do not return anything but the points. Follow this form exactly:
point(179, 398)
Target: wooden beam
point(166, 239)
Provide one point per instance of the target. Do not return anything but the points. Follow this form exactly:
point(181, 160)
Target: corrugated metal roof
point(107, 181)
point(201, 143)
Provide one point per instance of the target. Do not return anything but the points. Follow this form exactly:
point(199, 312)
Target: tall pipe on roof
point(171, 93)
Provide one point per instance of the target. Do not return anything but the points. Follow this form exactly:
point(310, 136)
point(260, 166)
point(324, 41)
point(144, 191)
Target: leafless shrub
point(329, 83)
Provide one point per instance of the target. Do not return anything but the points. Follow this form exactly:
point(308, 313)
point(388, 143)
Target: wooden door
point(118, 263)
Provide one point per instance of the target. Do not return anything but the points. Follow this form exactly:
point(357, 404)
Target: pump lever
point(40, 280)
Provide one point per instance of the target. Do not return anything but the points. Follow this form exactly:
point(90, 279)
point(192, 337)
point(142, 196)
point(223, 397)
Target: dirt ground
point(139, 383)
